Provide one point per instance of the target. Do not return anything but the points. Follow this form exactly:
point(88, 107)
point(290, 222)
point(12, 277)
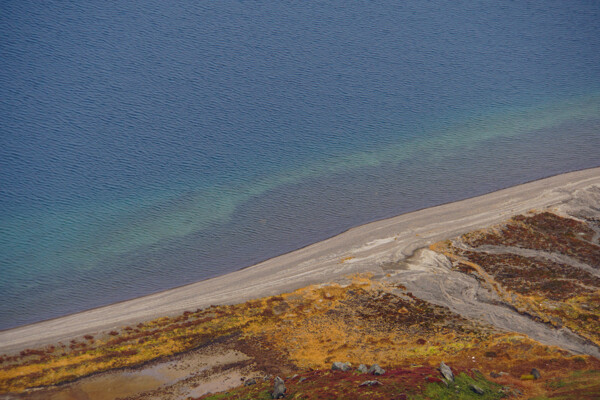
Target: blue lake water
point(146, 145)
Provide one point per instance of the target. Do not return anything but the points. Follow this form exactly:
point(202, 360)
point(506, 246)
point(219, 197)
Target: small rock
point(302, 379)
point(362, 368)
point(371, 383)
point(278, 389)
point(446, 372)
point(508, 391)
point(477, 389)
point(250, 382)
point(536, 373)
point(340, 366)
point(376, 370)
point(495, 375)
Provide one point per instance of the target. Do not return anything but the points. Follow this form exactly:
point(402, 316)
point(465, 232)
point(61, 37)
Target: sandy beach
point(367, 248)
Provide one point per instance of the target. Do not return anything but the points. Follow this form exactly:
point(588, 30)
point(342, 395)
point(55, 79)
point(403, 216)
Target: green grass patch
point(461, 389)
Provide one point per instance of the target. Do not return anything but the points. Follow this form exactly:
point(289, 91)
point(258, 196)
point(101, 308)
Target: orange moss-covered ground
point(369, 322)
point(308, 328)
point(365, 322)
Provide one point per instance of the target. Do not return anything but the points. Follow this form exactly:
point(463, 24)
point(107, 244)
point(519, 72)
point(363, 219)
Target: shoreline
point(364, 248)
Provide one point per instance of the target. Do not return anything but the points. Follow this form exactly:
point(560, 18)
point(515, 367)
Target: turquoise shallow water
point(146, 146)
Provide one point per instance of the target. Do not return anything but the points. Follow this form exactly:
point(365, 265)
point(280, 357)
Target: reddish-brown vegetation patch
point(581, 385)
point(550, 291)
point(544, 231)
point(326, 384)
point(527, 275)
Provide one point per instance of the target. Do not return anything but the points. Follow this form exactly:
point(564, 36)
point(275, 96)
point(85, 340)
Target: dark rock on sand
point(536, 373)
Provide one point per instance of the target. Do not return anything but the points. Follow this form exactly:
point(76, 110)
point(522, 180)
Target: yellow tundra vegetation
point(363, 322)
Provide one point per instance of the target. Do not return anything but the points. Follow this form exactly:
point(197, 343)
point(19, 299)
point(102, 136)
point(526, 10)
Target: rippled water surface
point(146, 145)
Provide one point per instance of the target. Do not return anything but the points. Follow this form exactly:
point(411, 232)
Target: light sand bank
point(364, 248)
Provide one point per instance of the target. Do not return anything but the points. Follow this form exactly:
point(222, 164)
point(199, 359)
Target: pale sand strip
point(368, 246)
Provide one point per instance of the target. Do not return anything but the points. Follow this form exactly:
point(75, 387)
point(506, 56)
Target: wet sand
point(367, 248)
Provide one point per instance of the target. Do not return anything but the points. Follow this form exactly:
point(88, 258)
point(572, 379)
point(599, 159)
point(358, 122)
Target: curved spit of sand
point(365, 248)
